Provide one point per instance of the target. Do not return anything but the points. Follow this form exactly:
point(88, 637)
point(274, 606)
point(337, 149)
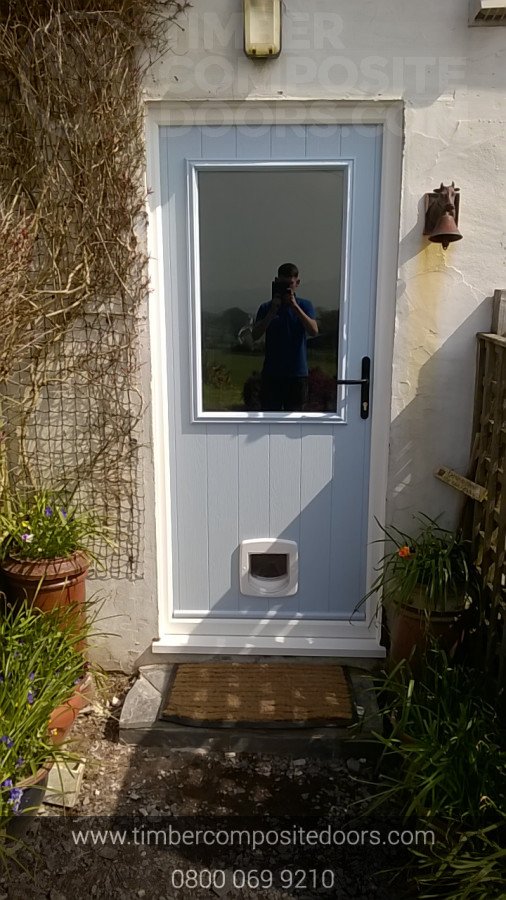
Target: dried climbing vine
point(73, 280)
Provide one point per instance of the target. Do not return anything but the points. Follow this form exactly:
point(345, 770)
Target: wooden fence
point(485, 516)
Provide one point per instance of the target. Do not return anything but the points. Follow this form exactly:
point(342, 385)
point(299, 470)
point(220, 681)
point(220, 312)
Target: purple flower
point(19, 762)
point(48, 511)
point(31, 676)
point(7, 783)
point(15, 798)
point(27, 538)
point(7, 741)
point(64, 513)
point(30, 697)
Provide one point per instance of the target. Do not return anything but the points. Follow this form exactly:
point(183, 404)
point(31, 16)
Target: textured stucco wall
point(452, 80)
point(127, 611)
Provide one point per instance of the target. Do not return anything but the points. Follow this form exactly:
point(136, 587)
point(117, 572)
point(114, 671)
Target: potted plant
point(40, 668)
point(427, 583)
point(444, 767)
point(45, 549)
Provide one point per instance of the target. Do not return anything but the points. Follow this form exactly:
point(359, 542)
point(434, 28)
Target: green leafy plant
point(46, 525)
point(431, 569)
point(472, 868)
point(449, 738)
point(445, 763)
point(39, 670)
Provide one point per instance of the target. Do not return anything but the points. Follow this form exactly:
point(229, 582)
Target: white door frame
point(360, 639)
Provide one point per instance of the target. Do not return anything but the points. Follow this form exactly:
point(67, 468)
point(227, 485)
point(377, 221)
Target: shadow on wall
point(434, 428)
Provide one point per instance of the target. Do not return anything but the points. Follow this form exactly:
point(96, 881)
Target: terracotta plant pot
point(49, 584)
point(412, 630)
point(64, 716)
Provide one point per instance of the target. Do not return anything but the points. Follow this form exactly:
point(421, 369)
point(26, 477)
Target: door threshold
point(345, 648)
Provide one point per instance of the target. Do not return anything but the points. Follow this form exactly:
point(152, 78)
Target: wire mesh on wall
point(72, 264)
point(72, 419)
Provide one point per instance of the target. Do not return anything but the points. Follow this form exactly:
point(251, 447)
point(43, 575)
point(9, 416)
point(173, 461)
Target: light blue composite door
point(267, 195)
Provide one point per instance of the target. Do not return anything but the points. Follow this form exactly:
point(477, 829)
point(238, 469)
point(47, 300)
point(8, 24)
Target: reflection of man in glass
point(286, 321)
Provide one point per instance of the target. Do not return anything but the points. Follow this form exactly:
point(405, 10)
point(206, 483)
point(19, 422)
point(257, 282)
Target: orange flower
point(404, 551)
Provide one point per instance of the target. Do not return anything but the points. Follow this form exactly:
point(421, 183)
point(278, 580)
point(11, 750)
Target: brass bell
point(446, 231)
point(442, 215)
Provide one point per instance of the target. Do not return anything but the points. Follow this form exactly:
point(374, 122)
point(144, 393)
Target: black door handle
point(365, 383)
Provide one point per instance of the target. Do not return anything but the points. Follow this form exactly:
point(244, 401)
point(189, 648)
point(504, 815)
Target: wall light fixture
point(262, 28)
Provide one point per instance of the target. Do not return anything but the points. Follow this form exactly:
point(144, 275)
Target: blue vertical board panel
point(223, 508)
point(219, 142)
point(284, 490)
point(288, 142)
point(189, 461)
point(323, 141)
point(254, 497)
point(315, 516)
point(253, 143)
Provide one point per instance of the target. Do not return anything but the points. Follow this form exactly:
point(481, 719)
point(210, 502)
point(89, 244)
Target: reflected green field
point(229, 371)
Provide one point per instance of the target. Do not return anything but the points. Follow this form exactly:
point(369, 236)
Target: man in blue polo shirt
point(286, 321)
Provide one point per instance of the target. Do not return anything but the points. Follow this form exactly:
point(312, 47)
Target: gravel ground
point(147, 788)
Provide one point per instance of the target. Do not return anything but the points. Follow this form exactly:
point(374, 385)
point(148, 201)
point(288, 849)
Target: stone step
point(140, 724)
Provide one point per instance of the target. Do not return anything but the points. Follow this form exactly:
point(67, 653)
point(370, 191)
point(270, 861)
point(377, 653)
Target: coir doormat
point(259, 694)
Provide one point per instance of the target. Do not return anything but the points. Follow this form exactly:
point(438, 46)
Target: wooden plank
point(488, 454)
point(467, 511)
point(500, 499)
point(478, 402)
point(482, 469)
point(495, 414)
point(499, 313)
point(488, 338)
point(453, 479)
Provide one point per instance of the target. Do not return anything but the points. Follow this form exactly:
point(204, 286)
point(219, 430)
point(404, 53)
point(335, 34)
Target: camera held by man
point(281, 289)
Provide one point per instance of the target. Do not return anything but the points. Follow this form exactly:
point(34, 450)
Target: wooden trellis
point(484, 517)
point(487, 520)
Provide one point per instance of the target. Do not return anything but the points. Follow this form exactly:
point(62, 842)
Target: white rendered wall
point(452, 80)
